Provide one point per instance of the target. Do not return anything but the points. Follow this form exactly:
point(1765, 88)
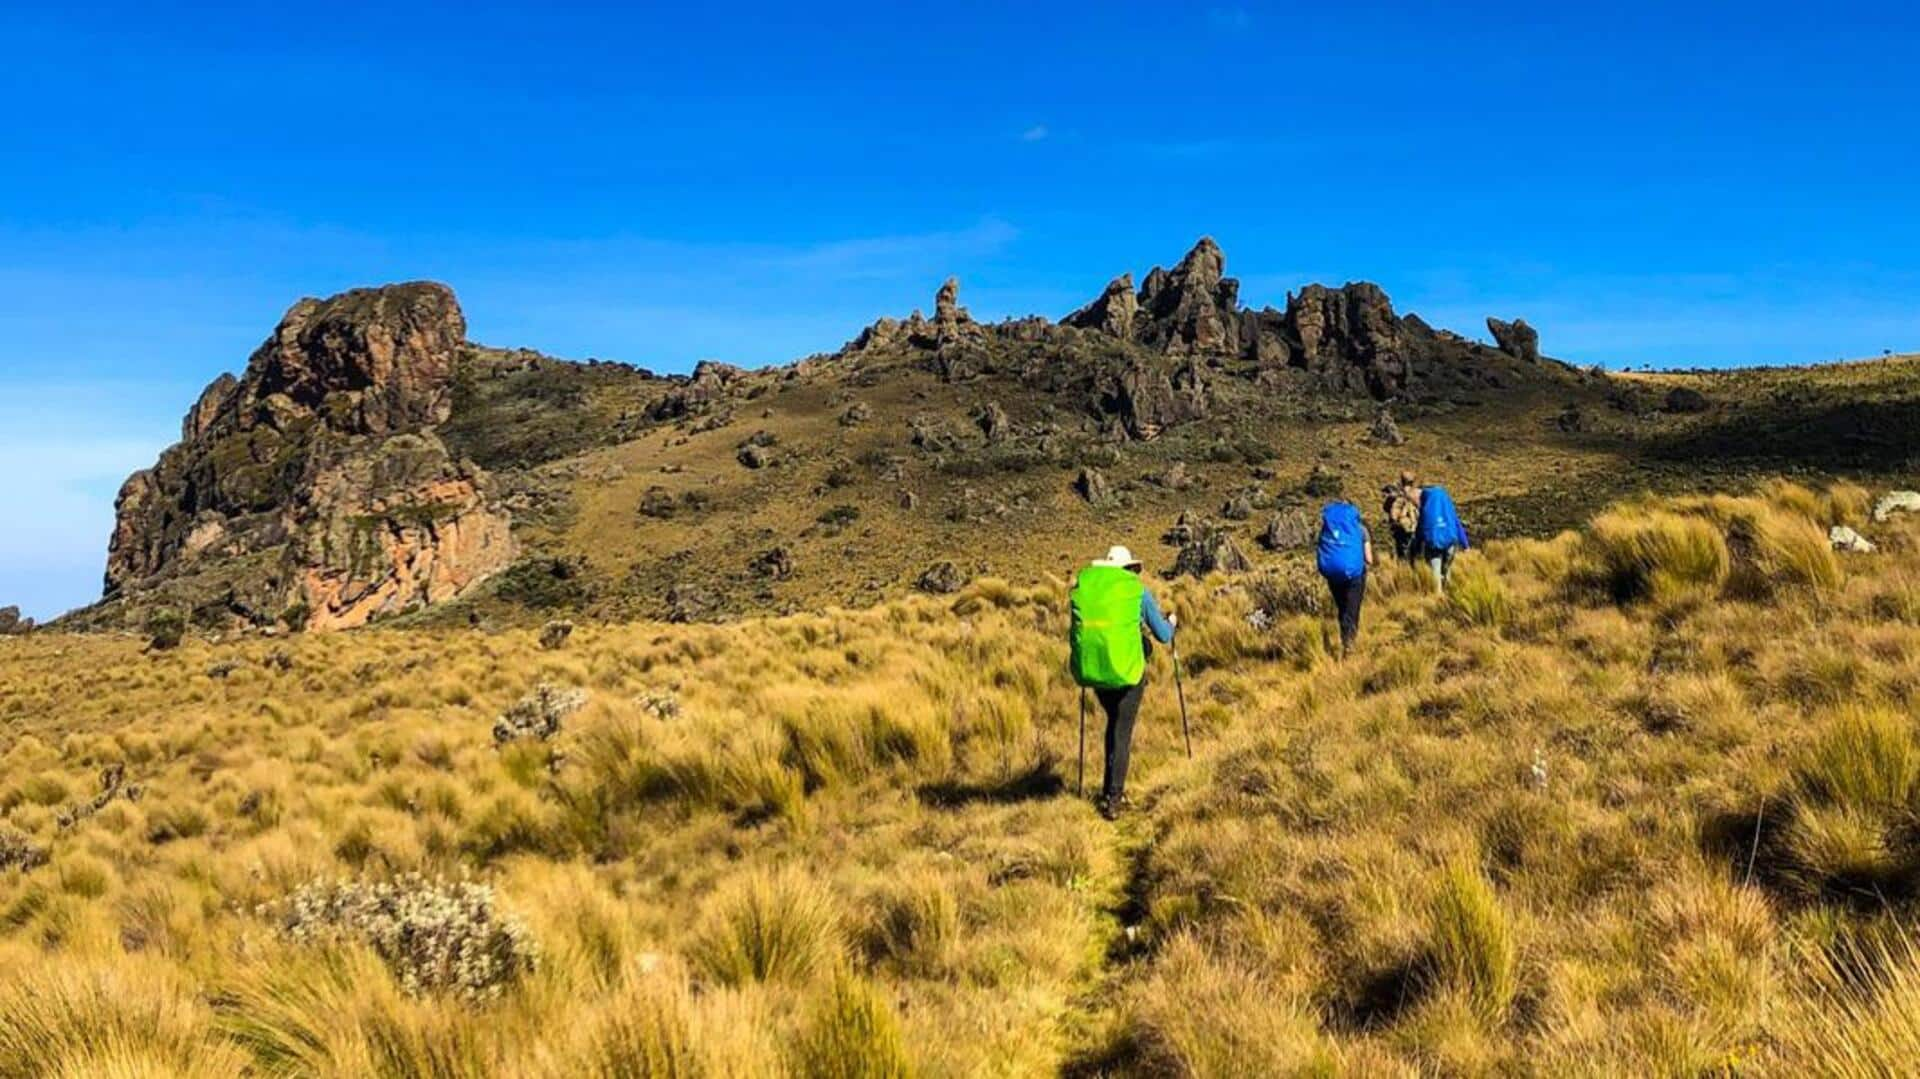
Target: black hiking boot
point(1112, 808)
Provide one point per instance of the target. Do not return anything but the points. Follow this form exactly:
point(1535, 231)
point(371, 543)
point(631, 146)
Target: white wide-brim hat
point(1120, 557)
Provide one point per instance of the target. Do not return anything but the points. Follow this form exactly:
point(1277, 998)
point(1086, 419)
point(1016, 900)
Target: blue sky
point(1668, 184)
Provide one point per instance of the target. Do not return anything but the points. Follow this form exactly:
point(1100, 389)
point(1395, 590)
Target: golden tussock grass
point(1639, 799)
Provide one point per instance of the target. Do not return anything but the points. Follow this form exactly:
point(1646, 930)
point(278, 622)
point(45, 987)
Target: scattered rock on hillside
point(705, 389)
point(1173, 478)
point(1210, 550)
point(658, 503)
point(1516, 338)
point(1180, 533)
point(1288, 531)
point(554, 635)
point(932, 434)
point(1385, 432)
point(1846, 539)
point(690, 603)
point(993, 422)
point(941, 578)
point(1237, 508)
point(1896, 502)
point(1323, 482)
point(856, 414)
point(18, 851)
point(1572, 419)
point(1093, 487)
point(1146, 401)
point(1630, 399)
point(1686, 400)
point(909, 500)
point(754, 457)
point(11, 622)
point(774, 564)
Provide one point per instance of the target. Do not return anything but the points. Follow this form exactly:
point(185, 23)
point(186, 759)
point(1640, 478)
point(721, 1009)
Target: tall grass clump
point(1863, 1016)
point(66, 1017)
point(1634, 554)
point(1201, 1014)
point(1852, 807)
point(644, 1032)
point(1774, 551)
point(1472, 945)
point(851, 1033)
point(768, 929)
point(1480, 597)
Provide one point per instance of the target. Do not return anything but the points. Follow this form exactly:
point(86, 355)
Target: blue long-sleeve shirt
point(1155, 622)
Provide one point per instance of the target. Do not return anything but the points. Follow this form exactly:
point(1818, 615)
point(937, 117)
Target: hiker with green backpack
point(1112, 614)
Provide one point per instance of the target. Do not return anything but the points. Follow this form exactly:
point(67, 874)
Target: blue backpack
point(1440, 526)
point(1343, 543)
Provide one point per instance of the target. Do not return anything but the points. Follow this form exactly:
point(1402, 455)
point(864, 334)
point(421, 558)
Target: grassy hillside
point(628, 513)
point(1636, 799)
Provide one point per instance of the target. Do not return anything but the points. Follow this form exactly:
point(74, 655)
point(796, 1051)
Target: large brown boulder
point(1516, 338)
point(1193, 308)
point(1350, 337)
point(382, 359)
point(1147, 401)
point(1113, 313)
point(313, 482)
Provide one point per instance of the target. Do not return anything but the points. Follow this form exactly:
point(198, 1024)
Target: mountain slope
point(371, 463)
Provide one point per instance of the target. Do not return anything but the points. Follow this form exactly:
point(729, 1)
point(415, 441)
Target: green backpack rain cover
point(1107, 650)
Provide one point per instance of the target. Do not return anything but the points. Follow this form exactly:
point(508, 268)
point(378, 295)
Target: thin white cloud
point(1034, 134)
point(886, 256)
point(1229, 18)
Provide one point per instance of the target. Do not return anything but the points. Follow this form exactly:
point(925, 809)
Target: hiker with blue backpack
point(1112, 614)
point(1345, 551)
point(1441, 534)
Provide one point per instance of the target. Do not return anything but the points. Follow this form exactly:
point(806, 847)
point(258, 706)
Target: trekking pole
point(1180, 690)
point(1080, 784)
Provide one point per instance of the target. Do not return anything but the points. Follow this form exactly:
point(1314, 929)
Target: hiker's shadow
point(1041, 781)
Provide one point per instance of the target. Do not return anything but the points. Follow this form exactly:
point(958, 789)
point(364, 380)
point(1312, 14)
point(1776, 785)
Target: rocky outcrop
point(212, 399)
point(941, 579)
point(1147, 400)
point(1345, 340)
point(379, 359)
point(313, 487)
point(12, 623)
point(1349, 337)
point(1113, 313)
point(1093, 487)
point(1685, 401)
point(992, 421)
point(699, 394)
point(1208, 548)
point(1193, 308)
point(1516, 338)
point(386, 528)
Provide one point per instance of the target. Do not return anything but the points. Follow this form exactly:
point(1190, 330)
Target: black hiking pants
point(1347, 597)
point(1404, 548)
point(1122, 707)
